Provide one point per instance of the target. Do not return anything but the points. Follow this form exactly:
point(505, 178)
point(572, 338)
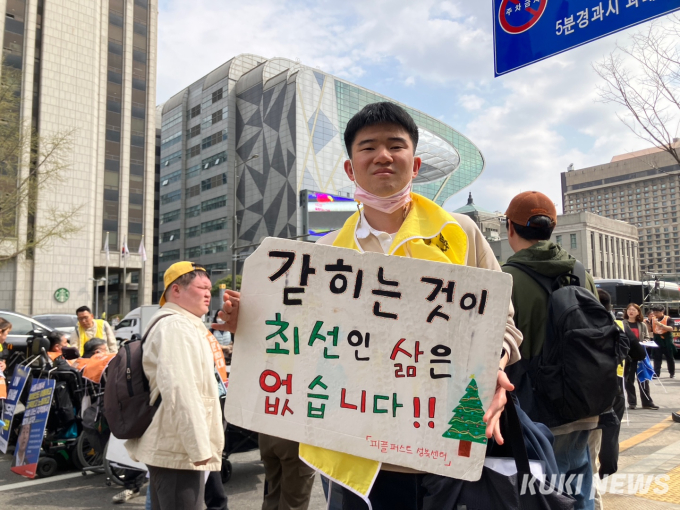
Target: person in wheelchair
point(95, 346)
point(58, 341)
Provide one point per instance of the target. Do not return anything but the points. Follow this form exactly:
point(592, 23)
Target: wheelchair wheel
point(47, 467)
point(225, 472)
point(113, 474)
point(87, 454)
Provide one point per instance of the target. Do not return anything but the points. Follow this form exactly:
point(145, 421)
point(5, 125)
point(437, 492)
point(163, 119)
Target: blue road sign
point(526, 31)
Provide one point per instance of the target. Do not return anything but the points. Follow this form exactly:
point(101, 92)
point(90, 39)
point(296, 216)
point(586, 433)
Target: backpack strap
point(579, 272)
point(145, 381)
point(151, 326)
point(545, 282)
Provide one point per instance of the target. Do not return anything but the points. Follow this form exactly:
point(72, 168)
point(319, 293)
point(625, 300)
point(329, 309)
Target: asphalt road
point(73, 491)
point(649, 440)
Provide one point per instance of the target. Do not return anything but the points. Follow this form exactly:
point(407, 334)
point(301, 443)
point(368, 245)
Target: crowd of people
point(183, 445)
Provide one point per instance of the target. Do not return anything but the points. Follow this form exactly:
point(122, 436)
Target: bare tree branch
point(650, 96)
point(22, 190)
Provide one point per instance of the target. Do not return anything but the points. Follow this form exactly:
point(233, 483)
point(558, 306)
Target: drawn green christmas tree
point(467, 425)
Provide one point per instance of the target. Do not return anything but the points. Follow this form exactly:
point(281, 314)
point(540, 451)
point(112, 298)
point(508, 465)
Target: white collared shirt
point(364, 230)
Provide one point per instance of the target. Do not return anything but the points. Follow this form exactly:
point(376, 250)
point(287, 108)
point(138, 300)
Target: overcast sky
point(434, 56)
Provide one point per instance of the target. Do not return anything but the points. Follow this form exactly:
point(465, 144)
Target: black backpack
point(127, 407)
point(574, 375)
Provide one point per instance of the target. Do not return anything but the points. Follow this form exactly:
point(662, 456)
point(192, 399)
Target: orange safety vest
point(663, 321)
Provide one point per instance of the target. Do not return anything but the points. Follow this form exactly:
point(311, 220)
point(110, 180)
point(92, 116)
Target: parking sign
point(526, 31)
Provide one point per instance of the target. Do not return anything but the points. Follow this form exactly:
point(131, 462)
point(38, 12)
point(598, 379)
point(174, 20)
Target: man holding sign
point(381, 141)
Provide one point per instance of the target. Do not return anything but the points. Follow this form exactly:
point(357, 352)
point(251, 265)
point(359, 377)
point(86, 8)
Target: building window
point(572, 237)
point(171, 140)
point(171, 177)
point(211, 226)
point(172, 235)
point(558, 240)
point(172, 120)
point(216, 96)
point(194, 251)
point(194, 131)
point(215, 160)
point(192, 212)
point(195, 111)
point(214, 117)
point(169, 216)
point(193, 191)
point(213, 203)
point(193, 171)
point(213, 182)
point(214, 139)
point(192, 231)
point(167, 160)
point(215, 247)
point(171, 197)
point(193, 151)
point(168, 256)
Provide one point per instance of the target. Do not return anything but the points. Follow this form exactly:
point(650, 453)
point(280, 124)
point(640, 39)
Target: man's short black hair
point(605, 299)
point(540, 230)
point(55, 338)
point(380, 113)
point(83, 309)
point(658, 308)
point(91, 346)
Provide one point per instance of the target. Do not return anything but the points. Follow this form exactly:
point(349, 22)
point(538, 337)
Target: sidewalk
point(650, 445)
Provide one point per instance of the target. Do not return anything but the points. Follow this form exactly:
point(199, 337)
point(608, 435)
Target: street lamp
point(97, 281)
point(234, 237)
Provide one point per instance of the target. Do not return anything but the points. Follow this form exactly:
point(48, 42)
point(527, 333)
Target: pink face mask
point(384, 204)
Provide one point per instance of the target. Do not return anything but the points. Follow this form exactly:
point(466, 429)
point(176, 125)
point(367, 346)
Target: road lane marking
point(643, 436)
point(39, 481)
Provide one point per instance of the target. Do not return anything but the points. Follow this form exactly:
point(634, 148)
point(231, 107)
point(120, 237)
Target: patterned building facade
point(278, 126)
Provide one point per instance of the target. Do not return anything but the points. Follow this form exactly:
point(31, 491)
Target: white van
point(135, 322)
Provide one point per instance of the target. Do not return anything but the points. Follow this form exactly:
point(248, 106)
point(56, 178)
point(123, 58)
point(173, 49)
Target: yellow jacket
point(428, 233)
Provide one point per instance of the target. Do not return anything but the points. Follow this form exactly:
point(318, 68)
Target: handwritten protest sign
point(387, 358)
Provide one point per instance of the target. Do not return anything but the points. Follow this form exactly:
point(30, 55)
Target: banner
point(388, 358)
point(16, 387)
point(32, 430)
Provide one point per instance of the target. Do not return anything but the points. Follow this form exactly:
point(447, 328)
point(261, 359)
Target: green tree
point(467, 424)
point(30, 166)
point(226, 281)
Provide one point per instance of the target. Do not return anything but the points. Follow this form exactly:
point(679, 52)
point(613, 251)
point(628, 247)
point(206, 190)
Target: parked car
point(22, 328)
point(60, 321)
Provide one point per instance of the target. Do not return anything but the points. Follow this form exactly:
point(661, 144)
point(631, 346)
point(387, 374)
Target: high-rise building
point(640, 188)
point(278, 125)
point(89, 68)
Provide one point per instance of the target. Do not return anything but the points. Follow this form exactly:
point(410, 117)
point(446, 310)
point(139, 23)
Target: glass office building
point(292, 118)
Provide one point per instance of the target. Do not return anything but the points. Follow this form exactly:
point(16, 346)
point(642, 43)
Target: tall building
point(88, 67)
point(606, 247)
point(640, 188)
point(279, 126)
